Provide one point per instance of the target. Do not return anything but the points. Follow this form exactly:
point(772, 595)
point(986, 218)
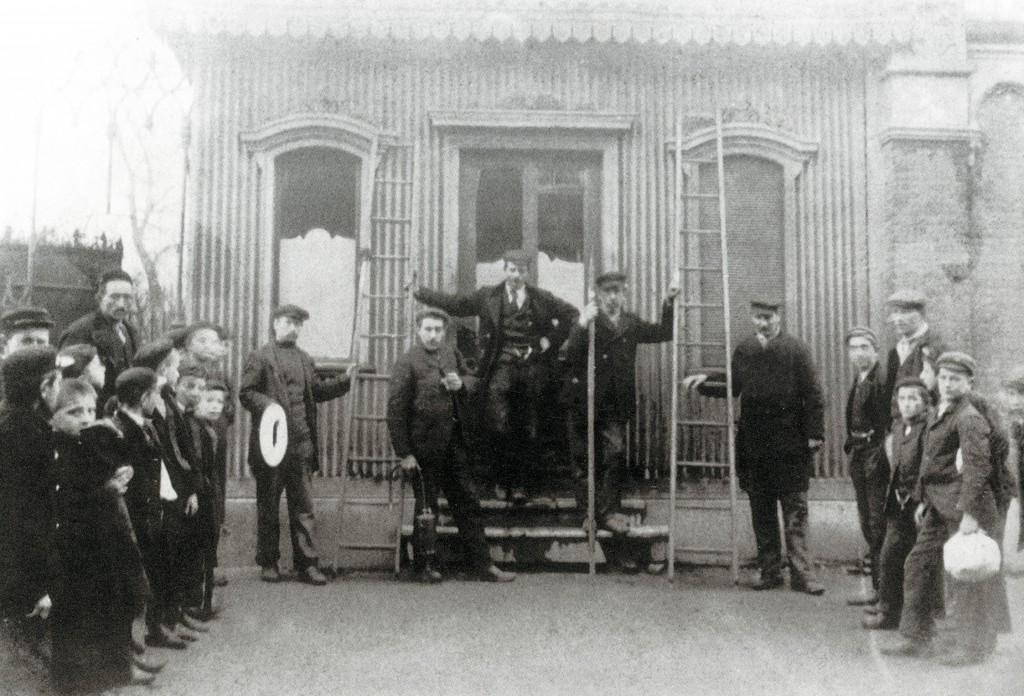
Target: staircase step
point(649, 531)
point(548, 504)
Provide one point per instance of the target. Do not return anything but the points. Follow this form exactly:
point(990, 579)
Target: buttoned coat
point(97, 330)
point(262, 385)
point(907, 450)
point(615, 348)
point(142, 453)
point(782, 407)
point(421, 415)
point(553, 318)
point(951, 493)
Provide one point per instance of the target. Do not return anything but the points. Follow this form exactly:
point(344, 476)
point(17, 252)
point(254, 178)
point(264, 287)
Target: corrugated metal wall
point(816, 94)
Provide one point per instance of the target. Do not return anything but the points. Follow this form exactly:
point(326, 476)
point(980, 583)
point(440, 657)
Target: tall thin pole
point(591, 454)
point(673, 446)
point(726, 311)
point(30, 261)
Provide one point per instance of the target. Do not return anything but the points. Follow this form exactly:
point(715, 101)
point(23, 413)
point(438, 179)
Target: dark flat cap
point(911, 382)
point(81, 354)
point(25, 318)
point(610, 278)
point(153, 353)
point(216, 384)
point(907, 299)
point(518, 257)
point(957, 362)
point(862, 332)
point(198, 326)
point(432, 312)
point(134, 381)
point(29, 363)
point(766, 302)
point(289, 310)
point(114, 274)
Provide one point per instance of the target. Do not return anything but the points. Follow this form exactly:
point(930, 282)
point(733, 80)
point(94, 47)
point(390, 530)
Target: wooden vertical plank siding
point(818, 94)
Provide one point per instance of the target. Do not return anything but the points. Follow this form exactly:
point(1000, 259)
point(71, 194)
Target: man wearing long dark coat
point(617, 334)
point(425, 403)
point(781, 425)
point(954, 498)
point(521, 330)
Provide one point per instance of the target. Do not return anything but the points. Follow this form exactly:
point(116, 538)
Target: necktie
point(121, 333)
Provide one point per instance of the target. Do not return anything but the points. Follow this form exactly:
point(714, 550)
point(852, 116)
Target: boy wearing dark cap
point(617, 334)
point(109, 328)
point(957, 494)
point(179, 484)
point(281, 372)
point(867, 423)
point(24, 327)
point(521, 330)
point(913, 399)
point(425, 410)
point(781, 426)
point(212, 448)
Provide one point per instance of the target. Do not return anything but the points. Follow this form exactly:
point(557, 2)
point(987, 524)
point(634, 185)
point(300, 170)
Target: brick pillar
point(927, 227)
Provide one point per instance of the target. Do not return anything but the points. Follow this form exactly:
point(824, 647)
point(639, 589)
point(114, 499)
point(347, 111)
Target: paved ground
point(555, 634)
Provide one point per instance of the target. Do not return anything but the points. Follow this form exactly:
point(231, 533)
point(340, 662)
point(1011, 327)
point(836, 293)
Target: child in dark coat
point(101, 586)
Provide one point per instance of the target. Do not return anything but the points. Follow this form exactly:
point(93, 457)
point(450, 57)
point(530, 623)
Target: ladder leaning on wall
point(701, 260)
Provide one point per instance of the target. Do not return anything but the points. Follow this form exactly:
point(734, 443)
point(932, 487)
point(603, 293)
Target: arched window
point(316, 176)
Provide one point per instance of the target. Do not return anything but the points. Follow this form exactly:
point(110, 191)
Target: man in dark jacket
point(108, 328)
point(24, 327)
point(781, 426)
point(867, 423)
point(281, 372)
point(953, 498)
point(617, 335)
point(521, 330)
point(918, 347)
point(425, 402)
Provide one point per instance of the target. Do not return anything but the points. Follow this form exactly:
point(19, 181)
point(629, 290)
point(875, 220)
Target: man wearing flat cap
point(24, 327)
point(781, 426)
point(521, 330)
point(868, 414)
point(918, 345)
point(617, 333)
point(957, 492)
point(426, 400)
point(109, 328)
point(280, 372)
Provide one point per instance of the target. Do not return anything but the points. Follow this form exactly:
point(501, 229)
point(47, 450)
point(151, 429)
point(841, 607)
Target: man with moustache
point(109, 328)
point(281, 372)
point(781, 426)
point(918, 347)
point(425, 401)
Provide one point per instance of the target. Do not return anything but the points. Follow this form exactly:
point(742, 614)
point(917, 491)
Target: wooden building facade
point(427, 140)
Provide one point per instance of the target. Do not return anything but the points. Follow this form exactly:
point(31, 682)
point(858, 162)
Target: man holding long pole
point(617, 333)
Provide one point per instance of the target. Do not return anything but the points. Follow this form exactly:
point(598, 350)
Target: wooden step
point(650, 531)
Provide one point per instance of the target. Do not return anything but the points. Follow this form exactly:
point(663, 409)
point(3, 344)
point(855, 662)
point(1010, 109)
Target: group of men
point(138, 497)
point(111, 488)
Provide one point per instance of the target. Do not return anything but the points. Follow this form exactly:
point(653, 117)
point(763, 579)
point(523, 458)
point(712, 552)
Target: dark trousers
point(203, 534)
point(900, 535)
point(448, 474)
point(764, 516)
point(609, 466)
point(513, 395)
point(869, 471)
point(923, 578)
point(292, 477)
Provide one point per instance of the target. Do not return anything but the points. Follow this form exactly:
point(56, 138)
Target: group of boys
point(927, 456)
point(112, 492)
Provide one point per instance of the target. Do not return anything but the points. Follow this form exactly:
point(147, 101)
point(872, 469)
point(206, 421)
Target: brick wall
point(998, 272)
point(927, 227)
